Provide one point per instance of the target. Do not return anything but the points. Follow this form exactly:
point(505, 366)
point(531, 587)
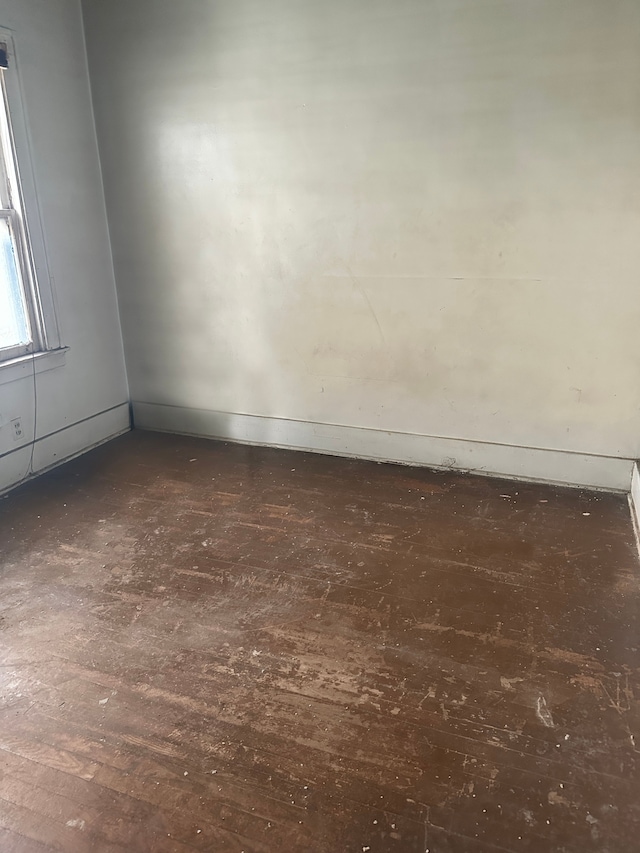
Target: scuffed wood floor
point(220, 648)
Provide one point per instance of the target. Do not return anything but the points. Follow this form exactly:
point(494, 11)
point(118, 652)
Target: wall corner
point(634, 501)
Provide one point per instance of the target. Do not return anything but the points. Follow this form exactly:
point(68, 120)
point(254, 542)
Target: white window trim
point(26, 366)
point(46, 346)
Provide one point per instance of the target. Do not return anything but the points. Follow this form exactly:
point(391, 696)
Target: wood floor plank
point(222, 648)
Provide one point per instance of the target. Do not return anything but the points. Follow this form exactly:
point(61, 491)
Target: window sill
point(25, 366)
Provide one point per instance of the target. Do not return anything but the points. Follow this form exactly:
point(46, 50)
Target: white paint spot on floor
point(76, 823)
point(507, 683)
point(543, 713)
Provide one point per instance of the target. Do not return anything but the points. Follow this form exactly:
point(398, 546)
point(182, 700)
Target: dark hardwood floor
point(221, 648)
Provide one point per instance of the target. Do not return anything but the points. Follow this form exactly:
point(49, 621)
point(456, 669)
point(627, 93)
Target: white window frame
point(19, 207)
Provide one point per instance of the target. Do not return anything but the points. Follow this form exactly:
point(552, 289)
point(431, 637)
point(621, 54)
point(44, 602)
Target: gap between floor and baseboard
point(559, 467)
point(67, 443)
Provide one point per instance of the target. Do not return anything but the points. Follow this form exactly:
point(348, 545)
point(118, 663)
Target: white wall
point(84, 400)
point(419, 216)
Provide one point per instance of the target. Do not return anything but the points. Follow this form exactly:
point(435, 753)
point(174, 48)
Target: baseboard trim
point(634, 502)
point(63, 445)
point(497, 460)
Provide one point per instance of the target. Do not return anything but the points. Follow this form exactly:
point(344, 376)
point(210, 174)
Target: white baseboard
point(634, 501)
point(522, 463)
point(63, 445)
point(13, 467)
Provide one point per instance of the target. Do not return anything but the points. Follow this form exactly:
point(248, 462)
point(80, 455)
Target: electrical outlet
point(18, 432)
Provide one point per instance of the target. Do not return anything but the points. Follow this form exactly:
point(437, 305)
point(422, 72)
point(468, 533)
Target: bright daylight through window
point(21, 327)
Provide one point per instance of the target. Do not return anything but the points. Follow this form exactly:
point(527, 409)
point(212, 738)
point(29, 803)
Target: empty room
point(319, 426)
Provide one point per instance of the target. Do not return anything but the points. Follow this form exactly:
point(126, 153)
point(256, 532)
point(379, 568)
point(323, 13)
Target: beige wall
point(416, 216)
point(84, 400)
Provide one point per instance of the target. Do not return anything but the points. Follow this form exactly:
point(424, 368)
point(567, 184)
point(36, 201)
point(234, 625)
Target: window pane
point(14, 323)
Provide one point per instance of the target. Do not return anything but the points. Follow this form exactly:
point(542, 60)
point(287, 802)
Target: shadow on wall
point(203, 304)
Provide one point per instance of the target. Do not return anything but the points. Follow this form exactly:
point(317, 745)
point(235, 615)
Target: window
point(27, 320)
